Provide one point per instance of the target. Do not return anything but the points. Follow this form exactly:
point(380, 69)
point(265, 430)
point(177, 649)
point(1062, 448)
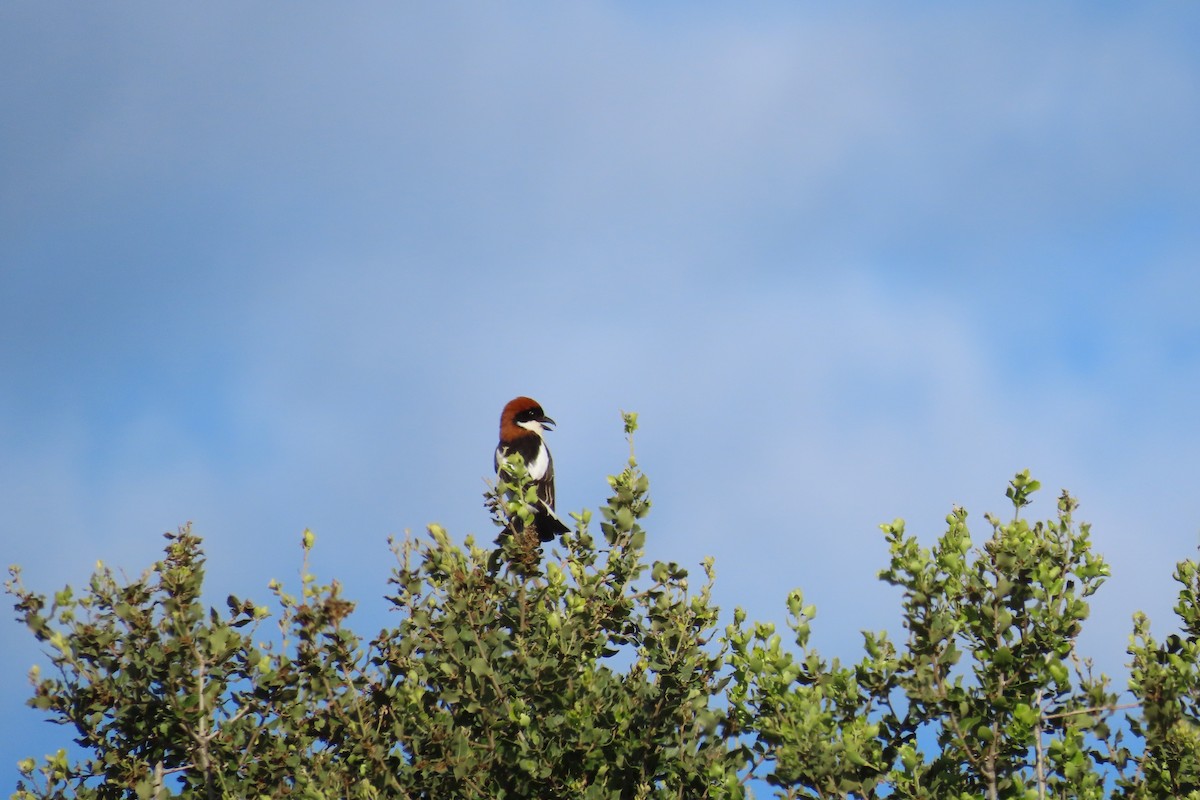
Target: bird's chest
point(535, 453)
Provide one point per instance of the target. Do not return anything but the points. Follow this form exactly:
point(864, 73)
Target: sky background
point(264, 269)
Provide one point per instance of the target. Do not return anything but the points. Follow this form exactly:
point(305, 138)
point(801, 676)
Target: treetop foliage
point(590, 673)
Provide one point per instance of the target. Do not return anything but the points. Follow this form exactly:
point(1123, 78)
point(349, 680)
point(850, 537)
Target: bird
point(522, 423)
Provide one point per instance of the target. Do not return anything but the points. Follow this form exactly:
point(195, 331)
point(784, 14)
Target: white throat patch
point(532, 425)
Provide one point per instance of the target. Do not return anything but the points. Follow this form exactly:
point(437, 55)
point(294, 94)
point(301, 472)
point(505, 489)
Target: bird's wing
point(546, 484)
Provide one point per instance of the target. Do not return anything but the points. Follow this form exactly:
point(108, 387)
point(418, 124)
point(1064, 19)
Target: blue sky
point(266, 270)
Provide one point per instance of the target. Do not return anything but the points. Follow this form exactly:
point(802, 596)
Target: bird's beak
point(547, 423)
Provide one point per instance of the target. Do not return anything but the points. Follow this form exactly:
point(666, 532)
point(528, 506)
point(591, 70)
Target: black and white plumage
point(522, 424)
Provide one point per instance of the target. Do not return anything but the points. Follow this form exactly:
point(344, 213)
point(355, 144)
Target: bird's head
point(523, 413)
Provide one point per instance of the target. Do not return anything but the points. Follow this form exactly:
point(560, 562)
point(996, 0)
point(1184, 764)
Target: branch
point(1040, 763)
point(1111, 709)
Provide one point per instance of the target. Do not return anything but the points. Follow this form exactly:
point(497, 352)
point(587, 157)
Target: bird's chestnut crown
point(526, 413)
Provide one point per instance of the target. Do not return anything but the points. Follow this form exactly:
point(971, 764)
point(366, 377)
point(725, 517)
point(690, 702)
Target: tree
point(988, 697)
point(591, 677)
point(589, 673)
